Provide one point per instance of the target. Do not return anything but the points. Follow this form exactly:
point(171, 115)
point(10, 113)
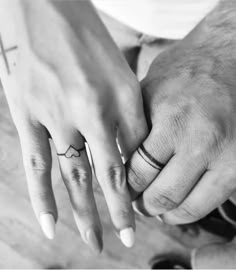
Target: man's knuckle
point(189, 213)
point(136, 179)
point(163, 200)
point(218, 133)
point(174, 117)
point(196, 153)
point(212, 132)
point(176, 120)
point(229, 183)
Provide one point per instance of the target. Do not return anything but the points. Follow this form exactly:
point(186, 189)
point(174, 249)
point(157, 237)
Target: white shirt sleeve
point(159, 18)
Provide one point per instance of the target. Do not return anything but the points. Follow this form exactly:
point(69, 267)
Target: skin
point(190, 101)
point(67, 80)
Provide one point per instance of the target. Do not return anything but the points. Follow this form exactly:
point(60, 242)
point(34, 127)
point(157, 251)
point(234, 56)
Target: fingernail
point(136, 209)
point(94, 240)
point(48, 225)
point(127, 237)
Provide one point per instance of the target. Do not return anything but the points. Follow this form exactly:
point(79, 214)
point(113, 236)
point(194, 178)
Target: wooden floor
point(22, 244)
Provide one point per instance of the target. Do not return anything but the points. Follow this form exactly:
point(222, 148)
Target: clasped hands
point(76, 87)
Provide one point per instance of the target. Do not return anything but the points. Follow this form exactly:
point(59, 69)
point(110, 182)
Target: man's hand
point(187, 165)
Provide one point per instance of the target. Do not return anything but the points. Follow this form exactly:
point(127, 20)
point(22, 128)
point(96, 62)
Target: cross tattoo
point(3, 53)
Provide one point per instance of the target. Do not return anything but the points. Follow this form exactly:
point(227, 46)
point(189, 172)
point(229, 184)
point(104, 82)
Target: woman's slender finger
point(110, 173)
point(37, 162)
point(77, 176)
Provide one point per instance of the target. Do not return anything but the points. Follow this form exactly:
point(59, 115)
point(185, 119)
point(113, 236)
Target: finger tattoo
point(4, 54)
point(72, 152)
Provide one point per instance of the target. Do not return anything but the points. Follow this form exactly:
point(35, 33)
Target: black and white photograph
point(117, 134)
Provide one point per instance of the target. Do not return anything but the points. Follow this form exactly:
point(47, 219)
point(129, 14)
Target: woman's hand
point(187, 165)
point(64, 76)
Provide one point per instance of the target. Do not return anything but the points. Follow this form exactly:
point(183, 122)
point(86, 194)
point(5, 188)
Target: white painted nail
point(127, 237)
point(136, 209)
point(48, 225)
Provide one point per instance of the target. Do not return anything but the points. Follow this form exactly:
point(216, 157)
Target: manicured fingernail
point(136, 209)
point(127, 237)
point(94, 240)
point(48, 225)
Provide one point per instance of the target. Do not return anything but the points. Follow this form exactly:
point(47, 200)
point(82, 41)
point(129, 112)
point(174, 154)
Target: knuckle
point(217, 134)
point(79, 176)
point(123, 214)
point(207, 141)
point(209, 137)
point(189, 213)
point(173, 116)
point(83, 211)
point(136, 179)
point(99, 112)
point(230, 173)
point(42, 196)
point(179, 112)
point(92, 102)
point(176, 120)
point(37, 163)
point(229, 184)
point(196, 153)
point(163, 200)
point(114, 175)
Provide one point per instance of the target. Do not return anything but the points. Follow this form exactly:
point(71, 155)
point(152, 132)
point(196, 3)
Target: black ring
point(150, 159)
